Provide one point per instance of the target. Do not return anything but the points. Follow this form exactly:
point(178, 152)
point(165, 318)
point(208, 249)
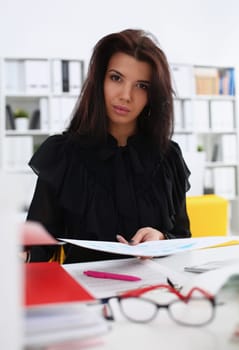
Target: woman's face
point(126, 87)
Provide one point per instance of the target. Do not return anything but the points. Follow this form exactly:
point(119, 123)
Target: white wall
point(192, 31)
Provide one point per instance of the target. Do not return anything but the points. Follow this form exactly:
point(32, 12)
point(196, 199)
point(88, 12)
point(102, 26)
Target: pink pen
point(113, 276)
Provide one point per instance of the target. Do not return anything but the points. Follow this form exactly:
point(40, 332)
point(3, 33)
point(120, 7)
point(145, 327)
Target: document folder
point(50, 283)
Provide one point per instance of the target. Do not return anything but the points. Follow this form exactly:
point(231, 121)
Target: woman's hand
point(144, 234)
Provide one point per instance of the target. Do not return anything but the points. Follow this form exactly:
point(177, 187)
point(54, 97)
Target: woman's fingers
point(142, 235)
point(121, 239)
point(147, 234)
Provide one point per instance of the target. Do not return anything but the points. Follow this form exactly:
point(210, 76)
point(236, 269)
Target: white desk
point(163, 333)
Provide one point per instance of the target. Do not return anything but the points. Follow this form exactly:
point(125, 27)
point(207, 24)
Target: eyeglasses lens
point(194, 312)
point(138, 309)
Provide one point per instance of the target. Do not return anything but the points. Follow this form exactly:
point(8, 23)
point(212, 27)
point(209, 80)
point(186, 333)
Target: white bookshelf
point(205, 111)
point(41, 86)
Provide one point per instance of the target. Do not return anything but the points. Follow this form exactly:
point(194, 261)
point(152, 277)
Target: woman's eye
point(143, 86)
point(115, 77)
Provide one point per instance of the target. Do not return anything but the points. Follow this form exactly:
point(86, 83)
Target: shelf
point(25, 96)
point(27, 133)
point(214, 97)
point(221, 164)
point(209, 121)
point(206, 98)
point(47, 90)
point(217, 132)
point(65, 94)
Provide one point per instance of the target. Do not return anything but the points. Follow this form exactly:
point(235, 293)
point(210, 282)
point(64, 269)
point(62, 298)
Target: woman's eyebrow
point(115, 71)
point(144, 81)
point(122, 75)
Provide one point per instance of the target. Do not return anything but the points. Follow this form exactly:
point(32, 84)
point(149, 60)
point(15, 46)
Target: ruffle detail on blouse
point(49, 162)
point(176, 177)
point(60, 162)
point(84, 176)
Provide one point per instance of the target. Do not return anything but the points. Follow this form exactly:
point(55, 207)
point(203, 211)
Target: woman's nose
point(126, 92)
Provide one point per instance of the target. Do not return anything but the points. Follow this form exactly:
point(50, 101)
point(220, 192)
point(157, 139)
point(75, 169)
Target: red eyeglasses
point(187, 310)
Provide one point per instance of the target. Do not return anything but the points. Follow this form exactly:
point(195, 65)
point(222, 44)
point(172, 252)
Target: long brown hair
point(156, 120)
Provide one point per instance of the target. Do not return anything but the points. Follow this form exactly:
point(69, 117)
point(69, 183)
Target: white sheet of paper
point(149, 271)
point(212, 281)
point(153, 248)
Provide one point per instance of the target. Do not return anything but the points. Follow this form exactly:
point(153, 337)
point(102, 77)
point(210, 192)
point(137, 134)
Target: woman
point(114, 174)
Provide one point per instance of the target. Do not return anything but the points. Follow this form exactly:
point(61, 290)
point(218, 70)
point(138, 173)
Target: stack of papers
point(54, 310)
point(61, 323)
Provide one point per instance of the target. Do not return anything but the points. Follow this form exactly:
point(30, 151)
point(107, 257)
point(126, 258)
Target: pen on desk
point(114, 276)
point(170, 282)
point(173, 285)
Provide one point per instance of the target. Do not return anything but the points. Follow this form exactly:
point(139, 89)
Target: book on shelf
point(232, 82)
point(37, 76)
point(201, 115)
point(11, 76)
point(14, 78)
point(56, 113)
point(222, 115)
point(65, 76)
point(177, 113)
point(44, 113)
point(75, 77)
point(224, 180)
point(67, 107)
point(188, 115)
point(216, 152)
point(208, 181)
point(182, 80)
point(18, 151)
point(34, 122)
point(214, 81)
point(196, 164)
point(229, 148)
point(29, 76)
point(206, 80)
point(187, 142)
point(62, 108)
point(10, 119)
point(56, 76)
point(226, 81)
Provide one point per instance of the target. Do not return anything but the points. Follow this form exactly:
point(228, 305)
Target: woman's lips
point(121, 109)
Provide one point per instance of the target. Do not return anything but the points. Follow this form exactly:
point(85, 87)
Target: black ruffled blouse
point(94, 193)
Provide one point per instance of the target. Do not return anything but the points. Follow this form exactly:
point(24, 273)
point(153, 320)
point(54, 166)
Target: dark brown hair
point(156, 120)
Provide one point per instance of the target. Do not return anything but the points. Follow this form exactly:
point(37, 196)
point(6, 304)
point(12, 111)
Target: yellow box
point(208, 215)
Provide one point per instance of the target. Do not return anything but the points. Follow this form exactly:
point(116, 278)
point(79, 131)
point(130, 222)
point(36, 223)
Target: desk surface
point(163, 333)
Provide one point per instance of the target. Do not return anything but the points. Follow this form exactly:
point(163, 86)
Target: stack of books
point(56, 307)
